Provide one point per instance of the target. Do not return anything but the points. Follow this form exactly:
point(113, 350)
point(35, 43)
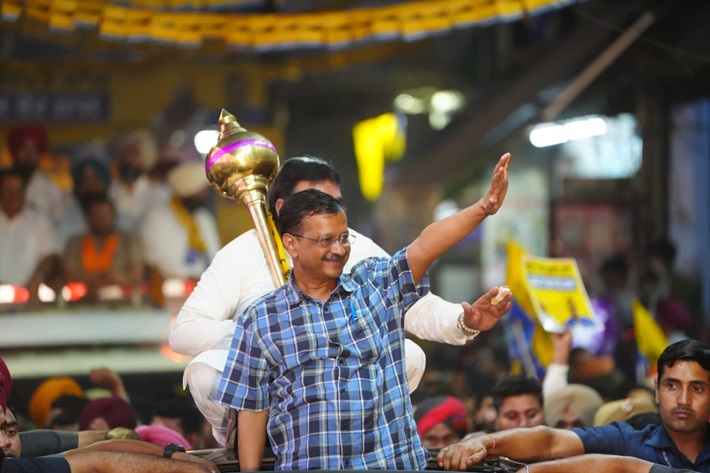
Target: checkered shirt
point(332, 374)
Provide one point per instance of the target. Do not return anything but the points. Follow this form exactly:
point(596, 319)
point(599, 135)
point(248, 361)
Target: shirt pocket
point(366, 330)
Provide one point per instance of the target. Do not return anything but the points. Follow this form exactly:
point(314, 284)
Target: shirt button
point(341, 361)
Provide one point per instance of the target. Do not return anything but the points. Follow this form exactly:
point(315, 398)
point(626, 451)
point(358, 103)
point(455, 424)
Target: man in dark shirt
point(680, 441)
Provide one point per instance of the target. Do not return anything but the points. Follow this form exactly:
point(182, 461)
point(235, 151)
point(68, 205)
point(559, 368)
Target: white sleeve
point(555, 379)
point(49, 243)
point(204, 321)
point(237, 276)
point(433, 318)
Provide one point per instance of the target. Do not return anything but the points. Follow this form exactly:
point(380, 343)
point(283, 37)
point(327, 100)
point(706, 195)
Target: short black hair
point(298, 169)
point(189, 416)
point(688, 350)
point(515, 385)
point(12, 172)
point(663, 248)
point(305, 204)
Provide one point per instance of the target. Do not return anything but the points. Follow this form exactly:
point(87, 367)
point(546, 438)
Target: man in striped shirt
point(319, 362)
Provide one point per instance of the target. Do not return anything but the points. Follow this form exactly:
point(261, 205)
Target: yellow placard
point(557, 293)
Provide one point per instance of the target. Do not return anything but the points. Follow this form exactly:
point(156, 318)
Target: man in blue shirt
point(681, 441)
point(321, 359)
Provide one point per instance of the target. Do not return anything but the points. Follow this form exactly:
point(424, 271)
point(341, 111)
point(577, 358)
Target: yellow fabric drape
point(194, 239)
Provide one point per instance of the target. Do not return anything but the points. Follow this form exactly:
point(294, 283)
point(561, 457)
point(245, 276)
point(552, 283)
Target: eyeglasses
point(345, 239)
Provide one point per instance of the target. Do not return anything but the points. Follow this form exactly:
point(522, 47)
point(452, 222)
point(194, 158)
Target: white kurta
point(165, 242)
point(43, 195)
point(24, 241)
point(133, 205)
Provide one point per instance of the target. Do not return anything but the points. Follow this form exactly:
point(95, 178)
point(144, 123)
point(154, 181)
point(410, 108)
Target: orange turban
point(46, 393)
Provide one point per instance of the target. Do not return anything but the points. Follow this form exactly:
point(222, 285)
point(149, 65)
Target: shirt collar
point(660, 439)
point(294, 294)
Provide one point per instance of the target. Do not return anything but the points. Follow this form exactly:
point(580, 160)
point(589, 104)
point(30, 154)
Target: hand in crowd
point(562, 345)
point(485, 312)
point(461, 455)
point(110, 380)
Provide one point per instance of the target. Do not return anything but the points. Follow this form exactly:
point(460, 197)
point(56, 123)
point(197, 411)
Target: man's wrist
point(172, 448)
point(465, 329)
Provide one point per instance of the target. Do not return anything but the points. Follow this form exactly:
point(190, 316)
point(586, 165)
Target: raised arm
point(444, 234)
point(522, 444)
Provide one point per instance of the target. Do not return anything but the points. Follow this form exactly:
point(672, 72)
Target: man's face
point(28, 155)
point(683, 397)
point(101, 219)
point(321, 261)
point(519, 411)
point(440, 436)
point(10, 436)
point(12, 195)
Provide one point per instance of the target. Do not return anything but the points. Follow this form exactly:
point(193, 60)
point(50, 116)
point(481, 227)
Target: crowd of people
point(323, 370)
point(141, 216)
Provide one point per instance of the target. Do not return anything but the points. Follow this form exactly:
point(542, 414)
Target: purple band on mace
point(239, 144)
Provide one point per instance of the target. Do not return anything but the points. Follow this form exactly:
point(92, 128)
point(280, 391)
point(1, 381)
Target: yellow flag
point(650, 339)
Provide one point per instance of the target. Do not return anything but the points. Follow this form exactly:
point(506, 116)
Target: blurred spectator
point(674, 319)
point(90, 177)
point(65, 411)
point(572, 406)
point(621, 410)
point(441, 421)
point(29, 247)
point(661, 258)
point(104, 256)
point(615, 278)
point(46, 393)
point(518, 402)
point(485, 416)
point(182, 416)
point(27, 143)
point(107, 413)
point(133, 194)
point(181, 237)
point(161, 436)
point(109, 380)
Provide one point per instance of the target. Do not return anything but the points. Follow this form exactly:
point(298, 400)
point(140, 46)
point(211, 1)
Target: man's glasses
point(345, 239)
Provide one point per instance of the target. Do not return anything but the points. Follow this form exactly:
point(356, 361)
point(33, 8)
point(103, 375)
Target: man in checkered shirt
point(319, 363)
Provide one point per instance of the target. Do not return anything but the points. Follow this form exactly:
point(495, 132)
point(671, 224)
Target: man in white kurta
point(238, 275)
point(28, 242)
point(180, 238)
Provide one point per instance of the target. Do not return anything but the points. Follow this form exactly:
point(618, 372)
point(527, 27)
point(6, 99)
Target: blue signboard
point(77, 107)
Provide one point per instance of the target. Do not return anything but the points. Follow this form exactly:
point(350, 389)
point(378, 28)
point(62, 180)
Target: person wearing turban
point(181, 238)
point(441, 421)
point(46, 393)
point(27, 143)
point(572, 406)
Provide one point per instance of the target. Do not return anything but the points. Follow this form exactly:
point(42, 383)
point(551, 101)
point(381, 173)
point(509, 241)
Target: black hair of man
point(298, 169)
point(12, 172)
point(686, 350)
point(95, 198)
point(306, 204)
point(189, 416)
point(515, 385)
point(664, 249)
point(615, 265)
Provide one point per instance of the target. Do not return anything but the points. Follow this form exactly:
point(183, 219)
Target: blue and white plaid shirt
point(332, 374)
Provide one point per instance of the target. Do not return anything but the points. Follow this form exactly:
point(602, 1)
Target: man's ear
point(289, 242)
point(277, 206)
